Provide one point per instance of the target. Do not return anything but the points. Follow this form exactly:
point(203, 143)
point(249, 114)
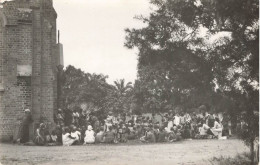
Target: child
point(67, 139)
point(122, 133)
point(54, 137)
point(40, 137)
point(75, 134)
point(89, 136)
point(60, 117)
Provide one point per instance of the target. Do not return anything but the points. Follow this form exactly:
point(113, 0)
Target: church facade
point(29, 59)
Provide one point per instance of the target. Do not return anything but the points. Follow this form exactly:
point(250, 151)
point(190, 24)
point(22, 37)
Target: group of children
point(170, 127)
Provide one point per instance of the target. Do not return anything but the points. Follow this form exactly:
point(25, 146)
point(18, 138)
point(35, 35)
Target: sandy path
point(197, 152)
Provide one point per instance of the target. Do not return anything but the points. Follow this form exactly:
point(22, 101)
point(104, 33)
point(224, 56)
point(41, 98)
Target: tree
point(119, 97)
point(85, 89)
point(178, 65)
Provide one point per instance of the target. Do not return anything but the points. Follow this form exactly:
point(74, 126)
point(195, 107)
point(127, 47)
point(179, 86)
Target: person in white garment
point(217, 129)
point(67, 139)
point(75, 134)
point(89, 136)
point(170, 125)
point(177, 119)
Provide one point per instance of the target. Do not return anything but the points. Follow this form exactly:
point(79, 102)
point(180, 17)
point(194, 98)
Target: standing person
point(182, 119)
point(60, 117)
point(154, 120)
point(177, 119)
point(75, 118)
point(169, 125)
point(187, 118)
point(23, 136)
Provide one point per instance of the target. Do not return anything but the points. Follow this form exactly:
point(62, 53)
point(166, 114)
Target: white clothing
point(217, 129)
point(66, 140)
point(76, 135)
point(89, 136)
point(169, 126)
point(177, 120)
point(202, 131)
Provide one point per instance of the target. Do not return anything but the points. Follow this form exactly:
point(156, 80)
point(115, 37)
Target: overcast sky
point(92, 34)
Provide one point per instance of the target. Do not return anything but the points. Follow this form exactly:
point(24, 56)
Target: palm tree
point(121, 87)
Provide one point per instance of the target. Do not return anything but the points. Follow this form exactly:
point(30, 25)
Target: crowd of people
point(168, 127)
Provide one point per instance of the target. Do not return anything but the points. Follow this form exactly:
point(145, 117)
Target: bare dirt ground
point(198, 152)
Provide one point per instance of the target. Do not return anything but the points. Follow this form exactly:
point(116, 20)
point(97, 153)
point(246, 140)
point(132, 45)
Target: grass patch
point(241, 159)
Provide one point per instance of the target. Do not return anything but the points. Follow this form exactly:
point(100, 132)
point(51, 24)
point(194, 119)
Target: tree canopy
point(194, 52)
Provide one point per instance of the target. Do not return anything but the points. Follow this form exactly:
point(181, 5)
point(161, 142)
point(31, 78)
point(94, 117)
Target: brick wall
point(29, 39)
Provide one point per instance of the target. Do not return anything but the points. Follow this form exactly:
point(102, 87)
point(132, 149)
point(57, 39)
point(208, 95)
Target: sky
point(93, 36)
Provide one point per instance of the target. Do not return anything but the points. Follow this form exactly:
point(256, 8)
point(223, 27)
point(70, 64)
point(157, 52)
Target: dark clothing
point(150, 137)
point(162, 136)
point(24, 128)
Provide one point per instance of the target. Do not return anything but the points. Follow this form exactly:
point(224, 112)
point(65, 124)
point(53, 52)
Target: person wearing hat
point(89, 136)
point(23, 136)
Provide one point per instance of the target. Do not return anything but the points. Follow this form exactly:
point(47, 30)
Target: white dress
point(169, 126)
point(217, 129)
point(89, 136)
point(66, 140)
point(177, 120)
point(76, 135)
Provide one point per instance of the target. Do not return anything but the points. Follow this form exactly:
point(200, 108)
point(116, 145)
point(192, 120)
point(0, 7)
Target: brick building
point(29, 56)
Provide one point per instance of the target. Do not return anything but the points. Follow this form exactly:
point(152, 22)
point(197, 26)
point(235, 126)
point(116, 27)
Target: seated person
point(47, 136)
point(186, 131)
point(40, 137)
point(133, 134)
point(139, 131)
point(122, 133)
point(67, 139)
point(109, 136)
point(58, 133)
point(89, 136)
point(54, 137)
point(149, 138)
point(217, 129)
point(174, 135)
point(100, 135)
point(156, 132)
point(162, 135)
point(76, 134)
point(204, 130)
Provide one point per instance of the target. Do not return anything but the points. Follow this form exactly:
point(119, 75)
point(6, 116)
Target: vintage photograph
point(129, 82)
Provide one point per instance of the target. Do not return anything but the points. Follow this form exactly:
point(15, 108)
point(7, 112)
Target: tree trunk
point(252, 155)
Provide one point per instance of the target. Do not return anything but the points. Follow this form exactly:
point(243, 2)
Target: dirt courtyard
point(198, 152)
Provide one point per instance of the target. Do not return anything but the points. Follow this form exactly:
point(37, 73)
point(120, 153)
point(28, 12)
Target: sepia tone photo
point(129, 82)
